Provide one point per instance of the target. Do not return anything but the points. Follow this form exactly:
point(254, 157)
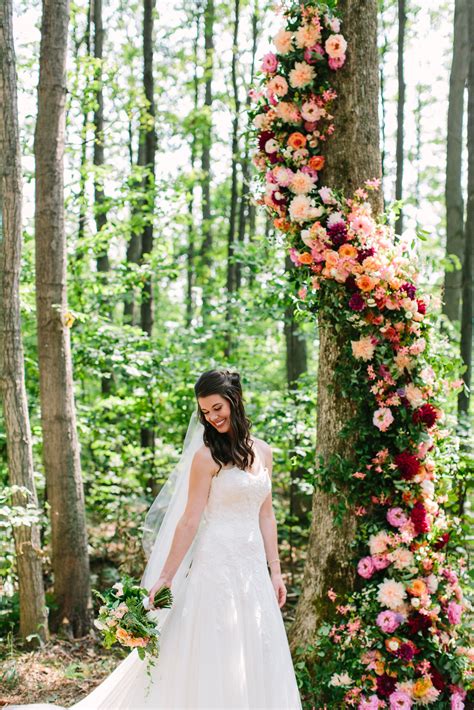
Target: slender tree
point(467, 273)
point(352, 155)
point(231, 266)
point(33, 612)
point(400, 110)
point(453, 186)
point(60, 443)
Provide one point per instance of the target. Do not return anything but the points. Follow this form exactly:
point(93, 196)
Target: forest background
point(173, 269)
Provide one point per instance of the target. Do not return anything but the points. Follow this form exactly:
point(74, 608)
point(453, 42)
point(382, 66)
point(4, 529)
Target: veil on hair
point(164, 514)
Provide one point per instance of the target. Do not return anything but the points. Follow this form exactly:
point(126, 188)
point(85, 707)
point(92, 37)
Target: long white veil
point(164, 514)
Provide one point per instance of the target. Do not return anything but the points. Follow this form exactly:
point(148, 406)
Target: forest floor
point(61, 672)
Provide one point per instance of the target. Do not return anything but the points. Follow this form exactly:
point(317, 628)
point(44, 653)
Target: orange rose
point(317, 162)
point(366, 283)
point(417, 588)
point(305, 258)
point(347, 250)
point(281, 223)
point(393, 644)
point(297, 140)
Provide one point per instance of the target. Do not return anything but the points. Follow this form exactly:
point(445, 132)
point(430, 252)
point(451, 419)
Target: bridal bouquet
point(125, 616)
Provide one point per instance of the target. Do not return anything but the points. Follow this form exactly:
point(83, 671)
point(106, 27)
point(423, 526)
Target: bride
point(210, 535)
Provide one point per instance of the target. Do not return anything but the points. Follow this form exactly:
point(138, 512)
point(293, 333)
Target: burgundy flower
point(385, 685)
point(356, 302)
point(425, 414)
point(437, 679)
point(263, 138)
point(364, 253)
point(337, 233)
point(419, 518)
point(441, 541)
point(419, 622)
point(409, 289)
point(407, 464)
point(350, 284)
point(407, 651)
point(421, 306)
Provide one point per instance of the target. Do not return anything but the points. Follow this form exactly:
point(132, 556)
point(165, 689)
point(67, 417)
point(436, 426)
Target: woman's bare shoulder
point(203, 458)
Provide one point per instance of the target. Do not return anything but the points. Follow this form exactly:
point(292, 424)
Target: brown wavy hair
point(236, 449)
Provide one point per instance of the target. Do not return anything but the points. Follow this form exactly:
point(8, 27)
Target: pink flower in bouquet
point(311, 52)
point(400, 701)
point(283, 176)
point(366, 567)
point(301, 75)
point(380, 561)
point(391, 593)
point(269, 63)
point(278, 85)
point(378, 543)
point(388, 621)
point(414, 395)
point(362, 224)
point(333, 23)
point(283, 41)
point(288, 112)
point(302, 209)
point(382, 418)
point(301, 183)
point(336, 62)
point(327, 195)
point(335, 46)
point(456, 702)
point(396, 517)
point(454, 613)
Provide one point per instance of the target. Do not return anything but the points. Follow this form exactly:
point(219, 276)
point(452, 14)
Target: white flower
point(99, 624)
point(340, 679)
point(146, 602)
point(119, 587)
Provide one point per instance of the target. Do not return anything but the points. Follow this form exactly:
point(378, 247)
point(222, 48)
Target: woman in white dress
point(223, 643)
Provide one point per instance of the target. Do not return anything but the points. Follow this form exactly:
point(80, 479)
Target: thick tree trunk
point(352, 156)
point(60, 443)
point(453, 188)
point(467, 275)
point(33, 612)
point(400, 153)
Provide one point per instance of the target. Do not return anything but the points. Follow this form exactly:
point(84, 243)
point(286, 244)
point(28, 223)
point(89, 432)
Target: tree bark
point(400, 111)
point(352, 156)
point(453, 187)
point(149, 157)
point(231, 266)
point(33, 612)
point(467, 276)
point(70, 559)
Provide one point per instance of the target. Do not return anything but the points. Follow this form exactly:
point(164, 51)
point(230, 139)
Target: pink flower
point(391, 593)
point(335, 46)
point(400, 701)
point(366, 567)
point(396, 517)
point(269, 63)
point(454, 613)
point(380, 561)
point(382, 419)
point(456, 702)
point(371, 703)
point(327, 196)
point(336, 62)
point(388, 621)
point(278, 85)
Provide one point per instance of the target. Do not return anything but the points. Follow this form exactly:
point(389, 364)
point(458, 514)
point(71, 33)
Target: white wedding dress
point(223, 643)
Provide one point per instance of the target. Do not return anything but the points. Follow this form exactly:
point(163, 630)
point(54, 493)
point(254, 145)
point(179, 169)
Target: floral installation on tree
point(399, 640)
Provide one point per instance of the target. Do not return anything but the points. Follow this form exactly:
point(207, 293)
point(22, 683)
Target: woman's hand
point(279, 587)
point(163, 581)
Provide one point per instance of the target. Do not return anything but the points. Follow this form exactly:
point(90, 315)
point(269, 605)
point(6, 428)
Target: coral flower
point(366, 283)
point(283, 41)
point(316, 162)
point(417, 588)
point(301, 75)
point(305, 258)
point(297, 140)
point(335, 46)
point(348, 251)
point(278, 85)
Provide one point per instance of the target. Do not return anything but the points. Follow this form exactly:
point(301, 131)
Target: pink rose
point(388, 621)
point(269, 63)
point(366, 567)
point(336, 62)
point(335, 46)
point(396, 517)
point(454, 613)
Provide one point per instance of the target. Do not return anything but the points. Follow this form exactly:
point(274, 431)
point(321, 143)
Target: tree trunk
point(150, 149)
point(244, 206)
point(206, 245)
point(453, 188)
point(400, 112)
point(352, 155)
point(33, 612)
point(60, 443)
point(467, 276)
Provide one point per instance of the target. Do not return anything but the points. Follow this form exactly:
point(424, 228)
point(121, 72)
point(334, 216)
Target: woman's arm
point(268, 527)
point(200, 477)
